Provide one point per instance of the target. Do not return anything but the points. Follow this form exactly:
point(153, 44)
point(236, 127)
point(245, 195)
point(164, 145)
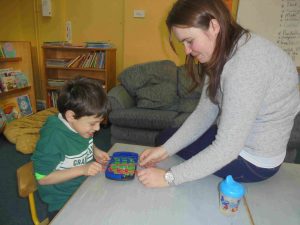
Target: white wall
point(276, 20)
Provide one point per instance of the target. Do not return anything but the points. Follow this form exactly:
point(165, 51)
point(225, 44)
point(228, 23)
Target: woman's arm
point(195, 125)
point(244, 87)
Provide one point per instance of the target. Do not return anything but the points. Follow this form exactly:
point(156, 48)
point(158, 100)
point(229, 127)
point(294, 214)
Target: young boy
point(65, 150)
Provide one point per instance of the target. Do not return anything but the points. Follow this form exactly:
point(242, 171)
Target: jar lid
point(231, 188)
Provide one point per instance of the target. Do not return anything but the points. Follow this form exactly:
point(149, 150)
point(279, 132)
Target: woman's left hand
point(152, 177)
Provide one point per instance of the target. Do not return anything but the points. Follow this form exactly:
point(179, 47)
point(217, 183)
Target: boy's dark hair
point(84, 96)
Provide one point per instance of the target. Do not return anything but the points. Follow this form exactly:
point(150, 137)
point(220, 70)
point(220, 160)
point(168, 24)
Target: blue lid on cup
point(231, 188)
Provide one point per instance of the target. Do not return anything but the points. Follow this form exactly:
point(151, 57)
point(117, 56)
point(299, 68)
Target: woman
point(250, 91)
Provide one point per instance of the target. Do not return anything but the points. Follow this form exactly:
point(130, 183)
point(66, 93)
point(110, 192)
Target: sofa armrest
point(294, 141)
point(119, 98)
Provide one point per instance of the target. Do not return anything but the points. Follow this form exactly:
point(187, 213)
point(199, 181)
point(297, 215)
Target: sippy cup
point(231, 193)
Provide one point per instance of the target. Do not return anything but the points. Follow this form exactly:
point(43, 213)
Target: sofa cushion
point(153, 84)
point(187, 105)
point(119, 98)
point(184, 85)
point(142, 118)
point(179, 119)
point(141, 75)
point(159, 96)
point(160, 85)
point(25, 132)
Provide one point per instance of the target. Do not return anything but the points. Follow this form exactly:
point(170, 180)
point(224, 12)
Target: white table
point(102, 201)
point(277, 199)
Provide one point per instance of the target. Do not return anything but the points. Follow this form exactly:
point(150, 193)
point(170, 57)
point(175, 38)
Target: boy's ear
point(69, 115)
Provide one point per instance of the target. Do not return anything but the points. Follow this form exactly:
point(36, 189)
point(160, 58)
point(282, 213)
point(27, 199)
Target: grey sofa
point(154, 96)
point(151, 97)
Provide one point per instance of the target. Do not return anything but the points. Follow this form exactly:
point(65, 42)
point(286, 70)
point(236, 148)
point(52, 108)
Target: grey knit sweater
point(257, 102)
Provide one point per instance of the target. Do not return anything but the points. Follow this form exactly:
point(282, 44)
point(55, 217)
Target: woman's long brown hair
point(199, 13)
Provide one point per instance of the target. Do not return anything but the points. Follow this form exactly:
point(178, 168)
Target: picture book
point(8, 82)
point(5, 70)
point(11, 79)
point(9, 50)
point(21, 79)
point(11, 109)
point(2, 120)
point(24, 105)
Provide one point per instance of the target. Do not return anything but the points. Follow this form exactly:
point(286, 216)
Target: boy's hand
point(93, 168)
point(101, 156)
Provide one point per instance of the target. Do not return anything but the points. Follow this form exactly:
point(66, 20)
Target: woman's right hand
point(151, 156)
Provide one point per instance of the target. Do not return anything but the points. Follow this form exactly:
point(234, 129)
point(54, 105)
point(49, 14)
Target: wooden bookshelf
point(15, 59)
point(21, 62)
point(16, 91)
point(107, 73)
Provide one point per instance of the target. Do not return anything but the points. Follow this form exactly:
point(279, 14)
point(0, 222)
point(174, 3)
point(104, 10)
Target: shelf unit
point(107, 74)
point(21, 62)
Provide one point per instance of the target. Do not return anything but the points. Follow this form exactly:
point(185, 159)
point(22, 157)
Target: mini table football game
point(122, 166)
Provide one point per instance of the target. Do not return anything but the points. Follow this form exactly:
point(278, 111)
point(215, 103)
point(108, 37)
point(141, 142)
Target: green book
point(1, 52)
point(9, 50)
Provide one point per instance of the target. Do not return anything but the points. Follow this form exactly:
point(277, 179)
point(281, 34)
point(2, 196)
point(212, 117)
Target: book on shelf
point(95, 59)
point(102, 60)
point(52, 98)
point(40, 105)
point(6, 70)
point(8, 82)
point(59, 62)
point(11, 109)
point(98, 44)
point(11, 79)
point(2, 120)
point(77, 62)
point(72, 61)
point(21, 79)
point(82, 60)
point(1, 52)
point(85, 63)
point(55, 82)
point(57, 43)
point(9, 50)
point(24, 105)
point(89, 60)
